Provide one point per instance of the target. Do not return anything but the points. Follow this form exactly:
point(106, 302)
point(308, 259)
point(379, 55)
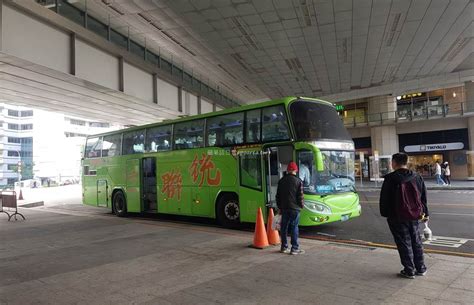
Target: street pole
point(20, 196)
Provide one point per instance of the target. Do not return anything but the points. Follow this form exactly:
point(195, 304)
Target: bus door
point(277, 159)
point(102, 193)
point(149, 184)
point(251, 190)
point(133, 185)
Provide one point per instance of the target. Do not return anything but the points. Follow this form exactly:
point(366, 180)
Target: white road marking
point(325, 234)
point(450, 242)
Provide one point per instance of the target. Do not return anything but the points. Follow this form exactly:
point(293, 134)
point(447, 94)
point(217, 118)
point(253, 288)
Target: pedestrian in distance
point(438, 173)
point(447, 173)
point(403, 202)
point(289, 198)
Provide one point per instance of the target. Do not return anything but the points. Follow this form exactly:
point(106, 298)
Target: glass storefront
point(424, 164)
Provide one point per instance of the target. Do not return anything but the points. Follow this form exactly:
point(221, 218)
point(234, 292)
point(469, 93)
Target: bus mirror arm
point(319, 161)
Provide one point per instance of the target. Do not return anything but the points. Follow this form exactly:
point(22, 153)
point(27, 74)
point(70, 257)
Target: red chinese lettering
point(172, 184)
point(202, 169)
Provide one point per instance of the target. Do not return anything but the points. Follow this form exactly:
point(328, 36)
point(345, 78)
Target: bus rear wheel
point(120, 204)
point(228, 211)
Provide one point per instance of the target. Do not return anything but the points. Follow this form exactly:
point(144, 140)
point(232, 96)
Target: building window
point(12, 167)
point(99, 124)
point(73, 135)
point(13, 113)
point(78, 122)
point(26, 113)
point(14, 153)
point(26, 126)
point(14, 140)
point(13, 126)
point(11, 181)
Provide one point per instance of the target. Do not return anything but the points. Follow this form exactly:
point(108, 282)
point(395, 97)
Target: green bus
point(226, 164)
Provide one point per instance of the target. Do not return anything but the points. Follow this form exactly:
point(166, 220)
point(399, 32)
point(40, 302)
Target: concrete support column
point(470, 153)
point(199, 104)
point(384, 139)
point(155, 88)
point(381, 108)
point(180, 99)
point(469, 91)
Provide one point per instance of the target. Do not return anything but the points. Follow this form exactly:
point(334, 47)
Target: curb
point(31, 204)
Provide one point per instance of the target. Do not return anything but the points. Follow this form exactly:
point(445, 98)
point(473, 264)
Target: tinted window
point(93, 147)
point(112, 145)
point(118, 39)
point(275, 126)
point(253, 126)
point(189, 134)
point(225, 130)
point(133, 142)
point(97, 27)
point(158, 138)
point(250, 170)
point(314, 121)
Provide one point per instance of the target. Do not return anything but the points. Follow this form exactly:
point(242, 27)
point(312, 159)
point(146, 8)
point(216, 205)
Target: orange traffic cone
point(273, 236)
point(20, 197)
point(260, 239)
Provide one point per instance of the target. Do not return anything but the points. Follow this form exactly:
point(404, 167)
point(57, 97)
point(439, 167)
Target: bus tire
point(119, 204)
point(228, 211)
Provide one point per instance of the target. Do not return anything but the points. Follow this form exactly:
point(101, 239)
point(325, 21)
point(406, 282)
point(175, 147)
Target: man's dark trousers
point(409, 245)
point(289, 222)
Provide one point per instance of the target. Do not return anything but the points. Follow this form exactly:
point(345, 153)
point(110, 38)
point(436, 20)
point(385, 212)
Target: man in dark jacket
point(289, 198)
point(405, 232)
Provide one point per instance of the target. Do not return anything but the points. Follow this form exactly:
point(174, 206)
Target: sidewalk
point(73, 257)
point(430, 185)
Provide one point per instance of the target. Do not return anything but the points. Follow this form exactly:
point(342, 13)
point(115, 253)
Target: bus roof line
point(284, 100)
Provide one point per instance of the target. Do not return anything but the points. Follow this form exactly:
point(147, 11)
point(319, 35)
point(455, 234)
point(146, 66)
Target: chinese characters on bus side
point(172, 183)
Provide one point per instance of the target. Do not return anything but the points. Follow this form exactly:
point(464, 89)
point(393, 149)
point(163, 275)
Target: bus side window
point(225, 130)
point(93, 147)
point(253, 126)
point(275, 124)
point(158, 138)
point(133, 142)
point(189, 134)
point(112, 145)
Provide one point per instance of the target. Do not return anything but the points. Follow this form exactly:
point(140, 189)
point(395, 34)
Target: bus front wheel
point(120, 204)
point(228, 211)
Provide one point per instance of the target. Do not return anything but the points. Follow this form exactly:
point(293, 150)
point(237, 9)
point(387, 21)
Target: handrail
point(408, 114)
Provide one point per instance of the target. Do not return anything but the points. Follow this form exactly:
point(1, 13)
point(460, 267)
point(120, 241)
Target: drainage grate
point(352, 246)
point(450, 242)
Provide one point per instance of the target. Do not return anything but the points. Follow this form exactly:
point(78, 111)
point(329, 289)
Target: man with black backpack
point(403, 202)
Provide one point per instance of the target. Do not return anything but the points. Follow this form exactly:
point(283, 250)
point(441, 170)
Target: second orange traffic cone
point(272, 235)
point(260, 239)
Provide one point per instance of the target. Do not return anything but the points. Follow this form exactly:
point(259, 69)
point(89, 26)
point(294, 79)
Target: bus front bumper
point(309, 218)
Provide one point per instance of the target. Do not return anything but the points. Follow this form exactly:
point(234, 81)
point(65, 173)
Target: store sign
point(339, 107)
point(434, 147)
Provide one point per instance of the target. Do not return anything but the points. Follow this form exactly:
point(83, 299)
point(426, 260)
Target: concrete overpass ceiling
point(273, 48)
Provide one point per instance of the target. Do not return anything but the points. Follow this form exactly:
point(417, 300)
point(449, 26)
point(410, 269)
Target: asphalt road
point(451, 215)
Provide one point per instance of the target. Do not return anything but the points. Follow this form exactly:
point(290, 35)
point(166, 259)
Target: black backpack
point(409, 205)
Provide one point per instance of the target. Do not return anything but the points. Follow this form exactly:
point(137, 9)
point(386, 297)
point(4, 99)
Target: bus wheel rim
point(231, 210)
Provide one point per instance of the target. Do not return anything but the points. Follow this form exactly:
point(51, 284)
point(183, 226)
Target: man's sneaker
point(404, 274)
point(285, 250)
point(297, 251)
point(420, 273)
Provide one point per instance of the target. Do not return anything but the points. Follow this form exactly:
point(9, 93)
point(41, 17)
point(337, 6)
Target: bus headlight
point(317, 207)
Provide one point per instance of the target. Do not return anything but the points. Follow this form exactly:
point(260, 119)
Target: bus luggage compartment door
point(133, 193)
point(102, 193)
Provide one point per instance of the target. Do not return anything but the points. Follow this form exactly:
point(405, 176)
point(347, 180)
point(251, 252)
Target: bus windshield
point(337, 175)
point(316, 121)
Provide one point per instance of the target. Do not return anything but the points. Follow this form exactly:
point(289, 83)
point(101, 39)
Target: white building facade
point(42, 145)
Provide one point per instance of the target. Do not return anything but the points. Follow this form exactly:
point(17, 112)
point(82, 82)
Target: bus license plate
point(344, 217)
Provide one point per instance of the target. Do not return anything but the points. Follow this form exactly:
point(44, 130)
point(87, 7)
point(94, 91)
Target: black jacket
point(289, 194)
point(389, 188)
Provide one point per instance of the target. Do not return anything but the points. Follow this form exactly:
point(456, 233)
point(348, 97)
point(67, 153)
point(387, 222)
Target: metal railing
point(409, 115)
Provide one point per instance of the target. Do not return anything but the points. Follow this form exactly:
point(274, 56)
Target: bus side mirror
point(319, 161)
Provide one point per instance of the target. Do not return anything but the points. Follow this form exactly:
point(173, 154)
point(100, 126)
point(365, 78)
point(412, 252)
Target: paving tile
point(457, 295)
point(463, 283)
